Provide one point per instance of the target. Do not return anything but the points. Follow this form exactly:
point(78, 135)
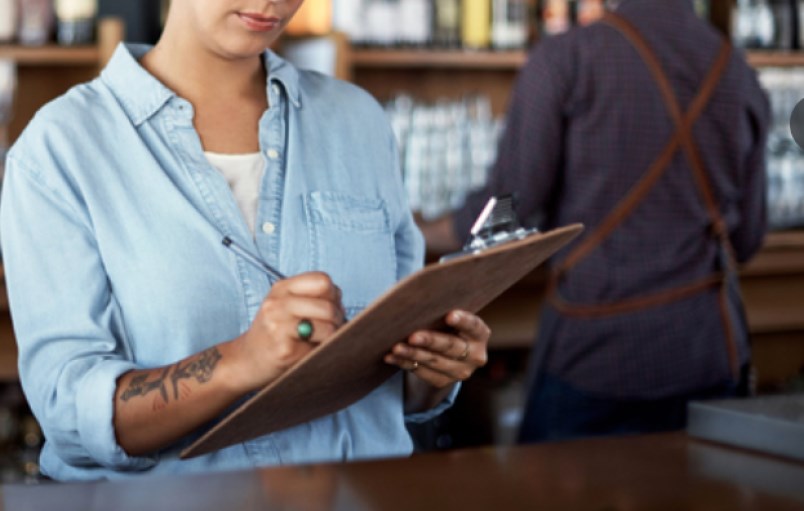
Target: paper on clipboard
point(350, 365)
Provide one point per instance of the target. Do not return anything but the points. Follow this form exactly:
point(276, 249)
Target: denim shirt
point(112, 221)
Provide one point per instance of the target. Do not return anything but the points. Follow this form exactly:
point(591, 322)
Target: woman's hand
point(156, 407)
point(275, 342)
point(441, 359)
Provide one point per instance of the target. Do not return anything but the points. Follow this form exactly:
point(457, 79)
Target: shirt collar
point(142, 95)
point(286, 74)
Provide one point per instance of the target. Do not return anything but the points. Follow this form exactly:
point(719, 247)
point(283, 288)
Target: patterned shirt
point(585, 121)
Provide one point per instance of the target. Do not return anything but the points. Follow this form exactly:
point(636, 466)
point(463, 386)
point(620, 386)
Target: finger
point(315, 284)
point(422, 371)
point(468, 325)
point(449, 345)
point(283, 318)
point(433, 378)
point(445, 366)
point(319, 331)
point(329, 291)
point(317, 309)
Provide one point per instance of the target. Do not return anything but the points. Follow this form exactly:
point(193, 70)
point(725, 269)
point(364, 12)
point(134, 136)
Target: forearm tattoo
point(201, 368)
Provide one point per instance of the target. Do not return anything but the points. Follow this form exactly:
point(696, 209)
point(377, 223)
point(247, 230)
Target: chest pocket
point(351, 240)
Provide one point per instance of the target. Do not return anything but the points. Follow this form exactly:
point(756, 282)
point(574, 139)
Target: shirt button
point(268, 228)
point(273, 154)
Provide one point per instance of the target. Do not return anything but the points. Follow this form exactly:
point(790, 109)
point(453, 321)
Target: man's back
point(587, 120)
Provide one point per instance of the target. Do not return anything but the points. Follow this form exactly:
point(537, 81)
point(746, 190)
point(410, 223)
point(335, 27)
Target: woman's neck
point(194, 72)
point(228, 95)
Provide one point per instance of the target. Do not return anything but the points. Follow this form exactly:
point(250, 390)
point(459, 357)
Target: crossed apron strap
point(683, 140)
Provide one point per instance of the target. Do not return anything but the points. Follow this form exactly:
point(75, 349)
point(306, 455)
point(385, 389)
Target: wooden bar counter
point(655, 472)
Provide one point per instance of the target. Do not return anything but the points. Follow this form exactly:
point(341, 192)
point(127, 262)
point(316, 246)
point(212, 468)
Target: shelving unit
point(775, 58)
point(441, 59)
point(45, 72)
point(430, 75)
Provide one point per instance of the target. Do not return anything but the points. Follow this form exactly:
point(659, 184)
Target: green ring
point(304, 329)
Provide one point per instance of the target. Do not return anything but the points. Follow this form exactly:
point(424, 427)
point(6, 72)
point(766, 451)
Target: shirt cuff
point(445, 404)
point(95, 411)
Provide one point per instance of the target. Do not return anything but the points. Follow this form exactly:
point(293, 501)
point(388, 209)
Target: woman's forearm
point(156, 407)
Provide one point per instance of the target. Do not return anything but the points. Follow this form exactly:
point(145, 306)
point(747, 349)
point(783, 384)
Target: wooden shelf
point(781, 255)
point(775, 58)
point(429, 58)
point(51, 55)
point(510, 60)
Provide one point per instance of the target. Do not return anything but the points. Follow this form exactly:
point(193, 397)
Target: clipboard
point(350, 365)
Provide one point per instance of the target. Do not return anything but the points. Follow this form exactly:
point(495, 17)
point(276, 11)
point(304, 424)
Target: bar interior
point(445, 73)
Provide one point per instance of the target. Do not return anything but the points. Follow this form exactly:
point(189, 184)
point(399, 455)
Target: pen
point(272, 273)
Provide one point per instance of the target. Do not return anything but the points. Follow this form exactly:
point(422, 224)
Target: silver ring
point(305, 329)
point(415, 366)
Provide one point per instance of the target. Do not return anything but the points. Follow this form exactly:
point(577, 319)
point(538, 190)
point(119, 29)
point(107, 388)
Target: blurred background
point(444, 70)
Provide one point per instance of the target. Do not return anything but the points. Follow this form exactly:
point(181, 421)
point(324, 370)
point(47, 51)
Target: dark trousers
point(555, 410)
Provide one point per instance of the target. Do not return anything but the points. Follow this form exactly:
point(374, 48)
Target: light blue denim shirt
point(112, 221)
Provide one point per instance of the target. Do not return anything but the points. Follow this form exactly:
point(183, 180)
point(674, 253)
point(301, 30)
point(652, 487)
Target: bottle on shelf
point(380, 18)
point(347, 18)
point(415, 25)
point(785, 24)
point(75, 21)
point(9, 15)
point(36, 22)
point(476, 24)
point(509, 24)
point(754, 24)
point(799, 23)
point(447, 23)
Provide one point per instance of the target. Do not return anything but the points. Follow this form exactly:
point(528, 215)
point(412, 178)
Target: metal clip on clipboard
point(496, 224)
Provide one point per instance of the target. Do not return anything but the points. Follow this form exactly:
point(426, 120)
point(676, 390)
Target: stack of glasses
point(446, 149)
point(785, 159)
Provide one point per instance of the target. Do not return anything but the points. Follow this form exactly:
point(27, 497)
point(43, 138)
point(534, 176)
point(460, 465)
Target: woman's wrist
point(235, 375)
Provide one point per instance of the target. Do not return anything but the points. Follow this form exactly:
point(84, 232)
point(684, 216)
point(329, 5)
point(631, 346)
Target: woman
point(136, 326)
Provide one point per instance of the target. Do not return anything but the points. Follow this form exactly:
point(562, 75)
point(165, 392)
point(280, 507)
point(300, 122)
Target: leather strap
point(682, 139)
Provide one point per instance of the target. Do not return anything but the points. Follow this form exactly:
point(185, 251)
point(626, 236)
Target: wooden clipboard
point(350, 365)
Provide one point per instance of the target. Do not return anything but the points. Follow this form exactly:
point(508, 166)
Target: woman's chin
point(244, 49)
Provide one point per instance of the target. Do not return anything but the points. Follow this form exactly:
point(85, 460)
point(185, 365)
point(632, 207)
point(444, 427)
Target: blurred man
point(650, 130)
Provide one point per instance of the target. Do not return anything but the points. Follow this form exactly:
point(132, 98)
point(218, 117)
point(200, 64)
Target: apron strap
point(683, 140)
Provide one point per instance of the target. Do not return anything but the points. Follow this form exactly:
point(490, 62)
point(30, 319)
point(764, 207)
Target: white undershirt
point(244, 173)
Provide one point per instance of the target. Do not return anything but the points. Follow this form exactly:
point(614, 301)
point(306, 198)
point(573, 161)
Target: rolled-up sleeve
point(444, 405)
point(69, 330)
